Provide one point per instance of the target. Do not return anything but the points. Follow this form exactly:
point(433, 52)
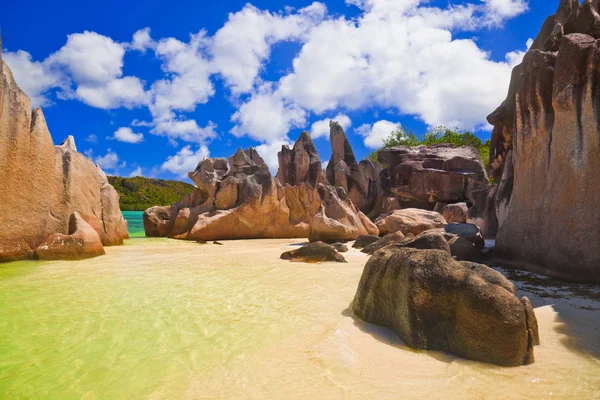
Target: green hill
point(139, 193)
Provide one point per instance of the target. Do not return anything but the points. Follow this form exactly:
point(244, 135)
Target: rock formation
point(240, 199)
point(360, 181)
point(301, 164)
point(434, 302)
point(313, 253)
point(41, 185)
point(546, 150)
point(422, 176)
point(82, 242)
point(409, 220)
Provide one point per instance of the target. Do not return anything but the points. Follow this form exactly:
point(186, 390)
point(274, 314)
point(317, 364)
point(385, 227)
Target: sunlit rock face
point(546, 150)
point(41, 185)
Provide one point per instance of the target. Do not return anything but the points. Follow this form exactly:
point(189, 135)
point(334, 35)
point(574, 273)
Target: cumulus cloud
point(127, 135)
point(34, 78)
point(142, 41)
point(376, 133)
point(108, 161)
point(269, 151)
point(321, 128)
point(136, 172)
point(497, 11)
point(91, 138)
point(185, 160)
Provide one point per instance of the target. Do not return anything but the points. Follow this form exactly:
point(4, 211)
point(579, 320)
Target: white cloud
point(137, 122)
point(127, 135)
point(125, 92)
point(184, 129)
point(241, 46)
point(142, 41)
point(136, 172)
point(33, 77)
point(267, 117)
point(515, 58)
point(269, 151)
point(376, 133)
point(185, 160)
point(108, 161)
point(91, 138)
point(321, 128)
point(497, 11)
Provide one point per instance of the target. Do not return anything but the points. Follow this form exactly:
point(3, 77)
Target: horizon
point(153, 94)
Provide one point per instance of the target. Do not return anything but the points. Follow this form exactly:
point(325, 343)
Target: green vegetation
point(441, 134)
point(139, 193)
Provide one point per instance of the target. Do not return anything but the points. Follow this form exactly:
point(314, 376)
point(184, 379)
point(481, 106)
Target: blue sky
point(153, 89)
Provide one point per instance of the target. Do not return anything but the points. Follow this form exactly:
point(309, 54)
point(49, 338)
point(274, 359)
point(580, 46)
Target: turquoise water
point(136, 224)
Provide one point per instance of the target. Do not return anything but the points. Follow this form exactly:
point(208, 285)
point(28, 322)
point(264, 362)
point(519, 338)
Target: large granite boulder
point(41, 185)
point(313, 253)
point(360, 180)
point(80, 243)
point(434, 302)
point(337, 218)
point(410, 220)
point(422, 176)
point(545, 148)
point(301, 164)
point(456, 212)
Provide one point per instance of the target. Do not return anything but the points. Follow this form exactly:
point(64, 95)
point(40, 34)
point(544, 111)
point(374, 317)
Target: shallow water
point(160, 318)
point(135, 223)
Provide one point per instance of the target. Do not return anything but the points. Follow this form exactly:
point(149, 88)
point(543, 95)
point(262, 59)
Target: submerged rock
point(434, 302)
point(82, 242)
point(314, 252)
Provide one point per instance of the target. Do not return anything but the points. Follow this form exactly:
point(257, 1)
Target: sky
point(153, 89)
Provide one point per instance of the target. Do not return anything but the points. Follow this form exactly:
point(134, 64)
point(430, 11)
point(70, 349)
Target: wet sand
point(161, 319)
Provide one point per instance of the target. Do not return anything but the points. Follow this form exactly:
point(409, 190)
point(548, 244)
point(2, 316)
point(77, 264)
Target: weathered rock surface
point(549, 197)
point(483, 212)
point(360, 181)
point(82, 242)
point(338, 218)
point(364, 240)
point(340, 247)
point(396, 237)
point(434, 302)
point(423, 176)
point(456, 212)
point(409, 220)
point(470, 232)
point(301, 164)
point(41, 184)
point(464, 250)
point(314, 252)
point(239, 199)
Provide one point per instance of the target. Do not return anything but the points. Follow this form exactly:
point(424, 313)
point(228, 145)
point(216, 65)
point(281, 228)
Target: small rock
point(313, 253)
point(396, 237)
point(219, 243)
point(470, 232)
point(340, 247)
point(364, 240)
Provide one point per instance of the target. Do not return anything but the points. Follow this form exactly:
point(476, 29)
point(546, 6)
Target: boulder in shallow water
point(313, 253)
point(409, 220)
point(82, 242)
point(434, 302)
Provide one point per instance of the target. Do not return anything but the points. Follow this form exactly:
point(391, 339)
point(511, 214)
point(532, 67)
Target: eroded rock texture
point(546, 150)
point(240, 199)
point(422, 176)
point(434, 302)
point(301, 164)
point(41, 185)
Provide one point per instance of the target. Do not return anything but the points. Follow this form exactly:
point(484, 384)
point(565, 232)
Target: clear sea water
point(136, 224)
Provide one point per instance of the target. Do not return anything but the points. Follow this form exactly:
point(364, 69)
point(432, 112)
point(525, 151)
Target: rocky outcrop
point(483, 212)
point(81, 242)
point(421, 176)
point(364, 240)
point(434, 302)
point(396, 237)
point(456, 212)
point(313, 253)
point(338, 218)
point(41, 184)
point(360, 180)
point(410, 220)
point(546, 150)
point(239, 199)
point(301, 164)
